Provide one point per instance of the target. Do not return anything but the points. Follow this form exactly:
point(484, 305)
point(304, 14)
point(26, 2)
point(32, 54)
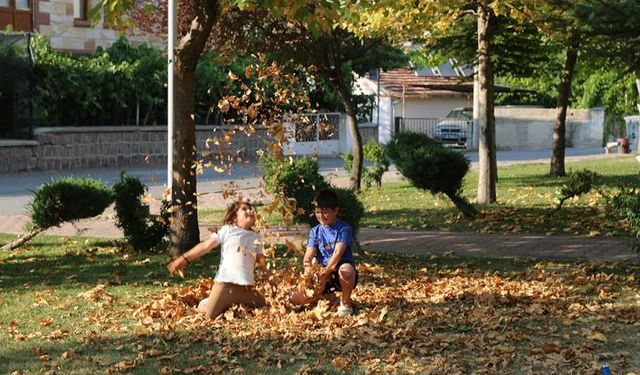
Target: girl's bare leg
point(223, 295)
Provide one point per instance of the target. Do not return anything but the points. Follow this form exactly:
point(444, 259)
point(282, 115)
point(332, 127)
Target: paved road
point(16, 188)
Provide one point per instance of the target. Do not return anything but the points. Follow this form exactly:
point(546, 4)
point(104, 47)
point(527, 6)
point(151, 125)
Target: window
point(80, 9)
point(16, 14)
point(23, 4)
point(80, 13)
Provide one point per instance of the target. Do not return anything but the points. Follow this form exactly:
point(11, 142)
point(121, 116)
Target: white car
point(452, 130)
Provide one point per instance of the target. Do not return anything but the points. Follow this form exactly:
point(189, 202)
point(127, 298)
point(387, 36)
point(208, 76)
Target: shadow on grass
point(88, 265)
point(571, 219)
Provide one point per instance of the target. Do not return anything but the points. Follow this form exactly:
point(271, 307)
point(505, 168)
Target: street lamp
point(171, 41)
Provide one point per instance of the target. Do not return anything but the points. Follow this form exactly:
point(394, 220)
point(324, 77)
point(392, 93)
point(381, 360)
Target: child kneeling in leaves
point(240, 251)
point(330, 243)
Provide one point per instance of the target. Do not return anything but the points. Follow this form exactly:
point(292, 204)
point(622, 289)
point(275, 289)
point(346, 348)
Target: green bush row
point(116, 85)
point(106, 88)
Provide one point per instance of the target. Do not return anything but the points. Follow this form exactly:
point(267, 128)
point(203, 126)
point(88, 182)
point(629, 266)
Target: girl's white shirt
point(239, 248)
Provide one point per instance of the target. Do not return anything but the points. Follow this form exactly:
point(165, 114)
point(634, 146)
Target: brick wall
point(121, 146)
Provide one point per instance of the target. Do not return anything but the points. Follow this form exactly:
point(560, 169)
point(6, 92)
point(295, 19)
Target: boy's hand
point(326, 274)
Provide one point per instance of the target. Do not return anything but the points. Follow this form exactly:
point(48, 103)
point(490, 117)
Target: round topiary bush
point(300, 179)
point(69, 199)
point(64, 199)
point(431, 166)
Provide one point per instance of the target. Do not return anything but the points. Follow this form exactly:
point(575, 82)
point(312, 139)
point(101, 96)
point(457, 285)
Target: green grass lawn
point(83, 306)
point(76, 305)
point(525, 192)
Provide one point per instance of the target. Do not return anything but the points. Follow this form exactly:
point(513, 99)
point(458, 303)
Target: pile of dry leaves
point(417, 319)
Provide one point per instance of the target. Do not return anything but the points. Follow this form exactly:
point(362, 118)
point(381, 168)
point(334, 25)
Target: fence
point(314, 127)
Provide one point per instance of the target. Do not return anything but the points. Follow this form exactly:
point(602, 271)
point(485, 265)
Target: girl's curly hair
point(231, 212)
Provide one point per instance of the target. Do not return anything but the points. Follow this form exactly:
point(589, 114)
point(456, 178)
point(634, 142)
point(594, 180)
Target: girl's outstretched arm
point(196, 252)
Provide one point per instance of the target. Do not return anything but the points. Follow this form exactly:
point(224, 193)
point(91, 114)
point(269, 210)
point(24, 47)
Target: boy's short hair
point(327, 198)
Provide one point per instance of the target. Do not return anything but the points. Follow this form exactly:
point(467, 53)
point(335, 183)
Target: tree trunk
point(559, 127)
point(352, 124)
point(463, 206)
point(487, 164)
point(22, 239)
point(184, 231)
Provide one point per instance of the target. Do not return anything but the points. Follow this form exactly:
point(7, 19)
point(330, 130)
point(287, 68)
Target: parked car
point(452, 130)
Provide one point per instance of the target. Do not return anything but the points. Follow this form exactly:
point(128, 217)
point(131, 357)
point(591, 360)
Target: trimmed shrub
point(626, 204)
point(69, 199)
point(351, 209)
point(578, 183)
point(431, 166)
point(300, 180)
point(142, 230)
point(377, 155)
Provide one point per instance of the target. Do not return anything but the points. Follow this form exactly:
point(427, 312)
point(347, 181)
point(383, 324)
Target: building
point(409, 93)
point(65, 22)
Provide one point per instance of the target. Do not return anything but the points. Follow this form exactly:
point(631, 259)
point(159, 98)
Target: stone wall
point(121, 146)
point(522, 128)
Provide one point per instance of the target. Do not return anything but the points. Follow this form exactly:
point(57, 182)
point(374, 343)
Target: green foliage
point(365, 105)
point(15, 80)
point(627, 205)
point(374, 153)
point(142, 231)
point(347, 159)
point(431, 166)
point(101, 89)
point(611, 89)
point(68, 199)
point(577, 184)
point(351, 209)
point(15, 67)
point(300, 180)
point(211, 78)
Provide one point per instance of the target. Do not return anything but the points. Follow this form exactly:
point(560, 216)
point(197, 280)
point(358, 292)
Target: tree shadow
point(100, 263)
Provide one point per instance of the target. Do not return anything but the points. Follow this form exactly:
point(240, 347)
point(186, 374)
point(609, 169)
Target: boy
point(330, 243)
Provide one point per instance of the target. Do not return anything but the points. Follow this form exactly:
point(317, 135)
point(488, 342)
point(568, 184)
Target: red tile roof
point(404, 80)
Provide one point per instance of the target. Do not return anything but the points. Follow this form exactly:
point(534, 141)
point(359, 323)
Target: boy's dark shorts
point(333, 284)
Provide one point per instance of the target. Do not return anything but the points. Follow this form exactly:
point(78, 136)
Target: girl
point(241, 249)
